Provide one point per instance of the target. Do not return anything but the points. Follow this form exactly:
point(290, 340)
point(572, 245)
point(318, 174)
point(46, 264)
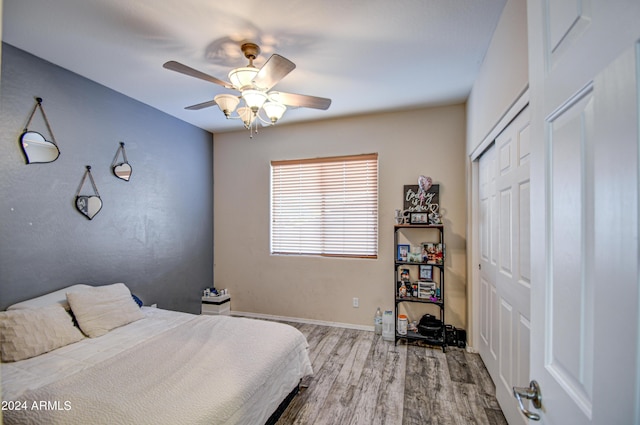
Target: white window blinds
point(325, 206)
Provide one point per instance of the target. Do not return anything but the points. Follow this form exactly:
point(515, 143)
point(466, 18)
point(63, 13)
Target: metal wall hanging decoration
point(121, 170)
point(88, 205)
point(36, 148)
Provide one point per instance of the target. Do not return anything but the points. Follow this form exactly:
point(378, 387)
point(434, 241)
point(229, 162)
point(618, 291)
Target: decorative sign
point(413, 203)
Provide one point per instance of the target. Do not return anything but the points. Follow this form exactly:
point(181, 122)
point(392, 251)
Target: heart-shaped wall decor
point(89, 205)
point(424, 183)
point(122, 171)
point(37, 149)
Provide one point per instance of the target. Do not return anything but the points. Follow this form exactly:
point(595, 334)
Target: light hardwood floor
point(360, 379)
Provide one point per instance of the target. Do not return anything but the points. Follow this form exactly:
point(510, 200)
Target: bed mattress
point(169, 367)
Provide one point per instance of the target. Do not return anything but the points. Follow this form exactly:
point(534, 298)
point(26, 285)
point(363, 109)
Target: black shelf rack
point(439, 338)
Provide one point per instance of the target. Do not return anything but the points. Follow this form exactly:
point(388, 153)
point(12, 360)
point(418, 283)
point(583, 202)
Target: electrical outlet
point(356, 303)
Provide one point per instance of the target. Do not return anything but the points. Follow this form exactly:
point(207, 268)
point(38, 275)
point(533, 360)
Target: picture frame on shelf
point(425, 251)
point(403, 252)
point(418, 218)
point(433, 252)
point(426, 272)
point(405, 275)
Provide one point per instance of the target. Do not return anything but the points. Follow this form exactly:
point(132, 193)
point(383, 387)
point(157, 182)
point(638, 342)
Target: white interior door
point(504, 236)
point(584, 174)
point(488, 344)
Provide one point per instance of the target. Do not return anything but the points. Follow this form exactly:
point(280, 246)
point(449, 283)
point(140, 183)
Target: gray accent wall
point(154, 233)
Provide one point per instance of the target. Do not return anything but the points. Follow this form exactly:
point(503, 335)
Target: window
point(325, 206)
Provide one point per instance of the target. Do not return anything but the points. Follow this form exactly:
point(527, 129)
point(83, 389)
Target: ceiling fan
point(254, 85)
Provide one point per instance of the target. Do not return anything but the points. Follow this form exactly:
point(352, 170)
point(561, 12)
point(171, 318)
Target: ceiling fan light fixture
point(254, 86)
point(254, 99)
point(247, 116)
point(242, 78)
point(274, 110)
point(227, 103)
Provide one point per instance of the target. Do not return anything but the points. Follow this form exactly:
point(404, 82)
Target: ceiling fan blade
point(186, 70)
point(201, 105)
point(274, 70)
point(305, 101)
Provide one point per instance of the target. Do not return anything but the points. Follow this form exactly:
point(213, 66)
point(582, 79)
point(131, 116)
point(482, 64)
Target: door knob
point(530, 393)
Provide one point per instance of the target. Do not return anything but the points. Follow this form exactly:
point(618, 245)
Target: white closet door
point(505, 278)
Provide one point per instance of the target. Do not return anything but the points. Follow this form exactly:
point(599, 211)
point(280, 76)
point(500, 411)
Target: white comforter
point(203, 369)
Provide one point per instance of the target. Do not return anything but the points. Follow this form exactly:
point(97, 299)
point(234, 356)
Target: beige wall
point(503, 76)
point(502, 79)
point(425, 141)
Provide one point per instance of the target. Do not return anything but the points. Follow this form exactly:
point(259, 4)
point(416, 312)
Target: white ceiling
point(366, 55)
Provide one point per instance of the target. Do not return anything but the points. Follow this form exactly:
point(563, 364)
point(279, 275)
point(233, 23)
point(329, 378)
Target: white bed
point(167, 367)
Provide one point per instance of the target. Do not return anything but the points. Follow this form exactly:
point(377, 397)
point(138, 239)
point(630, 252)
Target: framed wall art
point(412, 201)
point(403, 252)
point(434, 253)
point(426, 272)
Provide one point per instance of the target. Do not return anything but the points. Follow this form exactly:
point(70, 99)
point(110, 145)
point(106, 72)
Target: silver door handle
point(531, 393)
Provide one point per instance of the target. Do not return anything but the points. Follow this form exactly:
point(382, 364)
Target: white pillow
point(103, 308)
point(30, 332)
point(56, 297)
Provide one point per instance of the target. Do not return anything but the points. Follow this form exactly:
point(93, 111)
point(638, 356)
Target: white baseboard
point(472, 350)
point(300, 320)
point(468, 348)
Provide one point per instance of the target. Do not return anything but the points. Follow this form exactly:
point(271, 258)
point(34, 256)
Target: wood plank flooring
point(360, 379)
